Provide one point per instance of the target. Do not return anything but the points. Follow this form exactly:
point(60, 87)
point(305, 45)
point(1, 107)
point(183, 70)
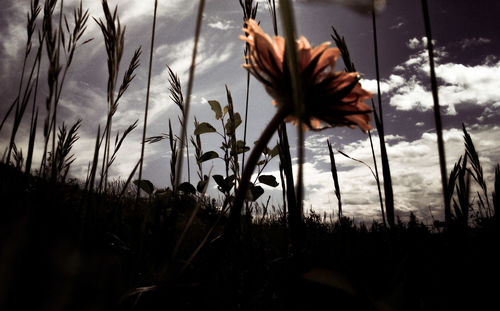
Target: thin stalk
point(378, 180)
point(246, 118)
point(147, 98)
point(292, 64)
point(189, 90)
point(437, 113)
point(235, 213)
point(34, 116)
point(335, 177)
point(386, 171)
point(285, 158)
point(57, 92)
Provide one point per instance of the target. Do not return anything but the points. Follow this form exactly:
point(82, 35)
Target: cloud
point(408, 87)
point(414, 167)
point(468, 42)
point(397, 25)
point(219, 24)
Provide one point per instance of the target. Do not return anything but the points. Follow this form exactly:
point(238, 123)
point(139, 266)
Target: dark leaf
point(202, 184)
point(261, 162)
point(145, 185)
point(275, 151)
point(203, 128)
point(216, 108)
point(269, 180)
point(187, 188)
point(209, 155)
point(219, 179)
point(254, 192)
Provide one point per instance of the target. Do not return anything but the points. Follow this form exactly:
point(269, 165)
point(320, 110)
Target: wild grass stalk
point(379, 123)
point(34, 110)
point(173, 158)
point(198, 153)
point(92, 171)
point(114, 37)
point(249, 12)
point(496, 197)
point(146, 108)
point(62, 39)
point(30, 28)
point(21, 102)
point(462, 206)
point(62, 159)
point(349, 67)
point(199, 19)
point(477, 172)
point(437, 112)
point(233, 122)
point(335, 178)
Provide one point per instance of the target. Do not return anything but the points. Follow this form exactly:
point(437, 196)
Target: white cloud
point(468, 42)
point(414, 168)
point(413, 43)
point(458, 83)
point(397, 26)
point(219, 24)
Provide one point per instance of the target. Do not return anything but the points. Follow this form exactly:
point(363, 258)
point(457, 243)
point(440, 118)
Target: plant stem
point(147, 99)
point(189, 90)
point(378, 179)
point(234, 216)
point(437, 113)
point(386, 171)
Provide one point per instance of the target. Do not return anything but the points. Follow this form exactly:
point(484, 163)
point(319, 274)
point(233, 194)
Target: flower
point(330, 98)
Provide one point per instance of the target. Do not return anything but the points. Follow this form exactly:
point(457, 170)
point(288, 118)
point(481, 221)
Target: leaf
point(269, 180)
point(203, 128)
point(225, 184)
point(219, 180)
point(236, 122)
point(240, 147)
point(209, 155)
point(216, 108)
point(261, 162)
point(275, 151)
point(254, 192)
point(145, 185)
point(187, 188)
point(202, 184)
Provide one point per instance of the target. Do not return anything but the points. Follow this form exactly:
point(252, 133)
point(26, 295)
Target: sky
point(467, 67)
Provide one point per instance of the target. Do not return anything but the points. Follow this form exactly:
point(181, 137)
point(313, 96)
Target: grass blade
point(437, 112)
point(147, 96)
point(189, 90)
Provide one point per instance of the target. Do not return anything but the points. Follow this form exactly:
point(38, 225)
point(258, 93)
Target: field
point(126, 244)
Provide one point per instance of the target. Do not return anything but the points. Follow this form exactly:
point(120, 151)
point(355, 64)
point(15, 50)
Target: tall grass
point(147, 95)
point(183, 136)
point(379, 124)
point(249, 12)
point(349, 67)
point(21, 101)
point(114, 40)
point(437, 112)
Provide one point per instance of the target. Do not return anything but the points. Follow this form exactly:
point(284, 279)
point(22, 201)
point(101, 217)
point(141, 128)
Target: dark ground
point(62, 249)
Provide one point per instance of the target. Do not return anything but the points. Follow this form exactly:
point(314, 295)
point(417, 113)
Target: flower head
point(330, 98)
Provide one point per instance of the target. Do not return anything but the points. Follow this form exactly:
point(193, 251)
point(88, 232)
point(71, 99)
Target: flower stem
point(264, 138)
